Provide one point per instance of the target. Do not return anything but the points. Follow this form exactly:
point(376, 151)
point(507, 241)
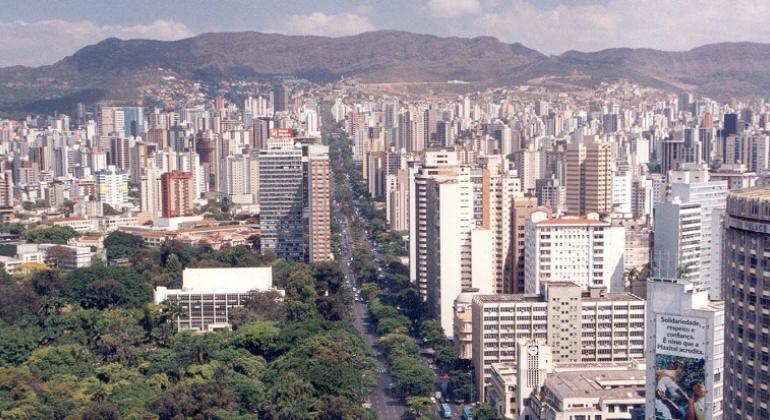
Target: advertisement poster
point(680, 368)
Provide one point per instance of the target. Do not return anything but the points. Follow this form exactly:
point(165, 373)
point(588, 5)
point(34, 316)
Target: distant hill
point(116, 69)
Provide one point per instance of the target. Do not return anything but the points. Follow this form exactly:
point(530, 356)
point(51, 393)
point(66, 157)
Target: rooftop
point(601, 384)
point(760, 192)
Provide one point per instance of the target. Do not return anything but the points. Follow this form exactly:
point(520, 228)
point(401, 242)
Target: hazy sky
point(34, 32)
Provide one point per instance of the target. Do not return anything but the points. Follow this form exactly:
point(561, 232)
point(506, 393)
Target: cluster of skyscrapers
point(261, 156)
point(598, 236)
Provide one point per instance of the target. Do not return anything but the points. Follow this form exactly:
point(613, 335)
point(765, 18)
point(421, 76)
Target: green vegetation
point(50, 235)
point(89, 344)
point(401, 318)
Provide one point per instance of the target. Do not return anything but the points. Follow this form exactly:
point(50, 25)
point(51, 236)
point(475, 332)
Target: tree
point(486, 412)
point(122, 245)
point(290, 398)
point(50, 235)
point(432, 333)
point(258, 305)
point(328, 277)
point(398, 324)
point(446, 357)
point(257, 337)
point(65, 359)
point(56, 255)
point(108, 210)
point(104, 293)
point(193, 400)
point(419, 404)
point(16, 344)
point(119, 336)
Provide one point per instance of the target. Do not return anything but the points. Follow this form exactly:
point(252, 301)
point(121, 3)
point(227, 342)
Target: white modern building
point(454, 245)
point(678, 237)
point(208, 294)
point(584, 250)
point(695, 187)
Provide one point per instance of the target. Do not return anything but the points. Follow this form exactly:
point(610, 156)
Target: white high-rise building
point(450, 227)
point(685, 352)
point(621, 192)
point(436, 165)
point(695, 187)
point(112, 187)
point(584, 250)
point(678, 236)
point(149, 191)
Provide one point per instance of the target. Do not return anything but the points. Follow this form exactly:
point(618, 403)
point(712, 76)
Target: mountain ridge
point(113, 69)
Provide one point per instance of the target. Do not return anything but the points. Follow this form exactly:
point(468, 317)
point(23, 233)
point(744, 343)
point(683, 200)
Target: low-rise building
point(208, 294)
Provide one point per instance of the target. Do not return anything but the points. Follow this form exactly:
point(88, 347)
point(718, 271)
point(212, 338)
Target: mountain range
point(116, 69)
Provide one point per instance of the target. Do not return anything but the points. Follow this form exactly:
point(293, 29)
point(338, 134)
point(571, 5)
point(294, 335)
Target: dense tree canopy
point(90, 344)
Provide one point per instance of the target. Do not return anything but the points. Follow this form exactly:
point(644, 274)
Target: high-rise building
point(678, 239)
point(730, 125)
point(593, 326)
point(110, 121)
point(436, 165)
point(6, 189)
point(112, 186)
point(281, 99)
point(280, 200)
point(588, 177)
point(177, 194)
point(685, 352)
point(456, 245)
point(747, 304)
point(522, 209)
point(318, 202)
point(149, 191)
point(120, 153)
point(584, 250)
point(695, 187)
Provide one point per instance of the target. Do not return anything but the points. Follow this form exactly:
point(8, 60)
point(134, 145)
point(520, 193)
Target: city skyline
point(39, 33)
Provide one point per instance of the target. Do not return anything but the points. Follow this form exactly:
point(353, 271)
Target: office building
point(746, 294)
point(522, 209)
point(436, 165)
point(6, 189)
point(450, 229)
point(281, 99)
point(280, 200)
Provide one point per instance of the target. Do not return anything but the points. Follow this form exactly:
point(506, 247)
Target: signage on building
point(680, 367)
point(281, 133)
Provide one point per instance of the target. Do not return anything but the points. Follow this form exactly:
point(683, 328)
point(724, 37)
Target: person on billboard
point(697, 404)
point(668, 392)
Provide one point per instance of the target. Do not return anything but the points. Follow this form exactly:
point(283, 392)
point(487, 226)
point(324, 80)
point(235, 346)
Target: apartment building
point(592, 326)
point(583, 249)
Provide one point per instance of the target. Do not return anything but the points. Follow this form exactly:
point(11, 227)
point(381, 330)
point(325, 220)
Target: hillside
point(115, 69)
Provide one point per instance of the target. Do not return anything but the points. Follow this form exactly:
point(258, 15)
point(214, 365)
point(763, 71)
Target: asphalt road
point(383, 402)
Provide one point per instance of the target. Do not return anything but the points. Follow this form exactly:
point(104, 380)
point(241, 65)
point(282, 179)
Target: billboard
point(680, 367)
point(281, 133)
